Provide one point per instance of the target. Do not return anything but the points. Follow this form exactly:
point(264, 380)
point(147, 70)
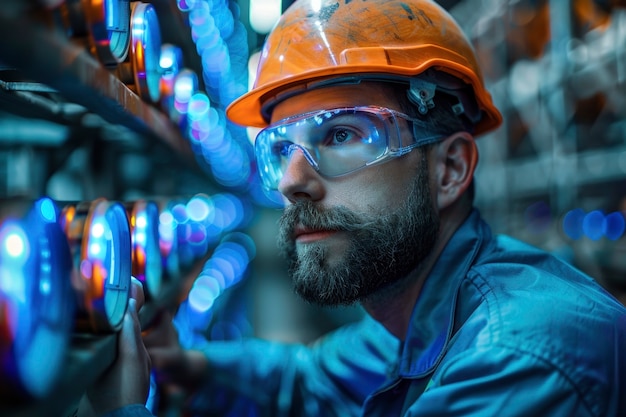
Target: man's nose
point(300, 179)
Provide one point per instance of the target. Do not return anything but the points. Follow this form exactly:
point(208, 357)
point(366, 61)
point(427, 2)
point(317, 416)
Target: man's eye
point(341, 136)
point(281, 148)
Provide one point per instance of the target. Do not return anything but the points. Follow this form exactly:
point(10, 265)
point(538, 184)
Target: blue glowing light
point(195, 233)
point(210, 283)
point(199, 208)
point(185, 86)
point(95, 250)
point(166, 218)
point(593, 224)
point(216, 274)
point(221, 43)
point(47, 210)
point(200, 17)
point(14, 255)
point(225, 21)
point(225, 268)
point(140, 221)
point(238, 251)
point(235, 260)
point(201, 299)
point(208, 41)
point(573, 223)
point(179, 212)
point(97, 230)
point(170, 60)
point(15, 246)
point(187, 5)
point(110, 13)
point(199, 106)
point(215, 141)
point(44, 286)
point(166, 232)
point(244, 241)
point(140, 238)
point(231, 209)
point(614, 225)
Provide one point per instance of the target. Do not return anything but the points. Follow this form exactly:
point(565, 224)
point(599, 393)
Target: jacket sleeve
point(135, 410)
point(502, 381)
point(332, 377)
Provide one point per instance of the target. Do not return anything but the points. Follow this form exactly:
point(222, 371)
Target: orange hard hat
point(322, 42)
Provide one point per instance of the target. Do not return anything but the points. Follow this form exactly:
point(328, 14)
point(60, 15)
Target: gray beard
point(383, 249)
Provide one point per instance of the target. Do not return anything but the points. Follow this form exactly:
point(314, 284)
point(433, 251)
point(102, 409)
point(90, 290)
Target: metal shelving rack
point(46, 60)
point(46, 76)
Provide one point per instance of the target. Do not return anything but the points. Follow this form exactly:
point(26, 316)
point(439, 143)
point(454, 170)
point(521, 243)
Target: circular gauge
point(36, 298)
point(145, 50)
point(100, 241)
point(108, 22)
point(146, 255)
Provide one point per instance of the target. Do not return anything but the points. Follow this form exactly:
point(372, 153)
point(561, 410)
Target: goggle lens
point(335, 142)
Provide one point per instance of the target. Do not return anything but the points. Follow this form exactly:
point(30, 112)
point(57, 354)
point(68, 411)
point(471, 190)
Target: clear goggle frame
point(335, 142)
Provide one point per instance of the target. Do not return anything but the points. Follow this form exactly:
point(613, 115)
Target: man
point(370, 109)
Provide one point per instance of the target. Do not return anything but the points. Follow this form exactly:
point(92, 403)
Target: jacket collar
point(432, 318)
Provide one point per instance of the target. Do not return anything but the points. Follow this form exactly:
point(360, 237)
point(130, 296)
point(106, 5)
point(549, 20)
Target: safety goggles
point(335, 142)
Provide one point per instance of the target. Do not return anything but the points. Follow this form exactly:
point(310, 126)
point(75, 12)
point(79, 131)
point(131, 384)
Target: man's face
point(381, 249)
point(347, 238)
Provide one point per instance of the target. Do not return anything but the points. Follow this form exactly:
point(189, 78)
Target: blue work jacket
point(500, 328)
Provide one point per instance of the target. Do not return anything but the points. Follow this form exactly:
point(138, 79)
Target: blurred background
point(112, 130)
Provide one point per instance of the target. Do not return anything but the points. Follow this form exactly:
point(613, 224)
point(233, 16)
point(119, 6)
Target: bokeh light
point(594, 225)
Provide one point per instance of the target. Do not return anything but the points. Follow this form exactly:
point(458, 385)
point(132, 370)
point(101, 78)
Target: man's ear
point(455, 162)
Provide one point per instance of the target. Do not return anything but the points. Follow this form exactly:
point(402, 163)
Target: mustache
point(308, 215)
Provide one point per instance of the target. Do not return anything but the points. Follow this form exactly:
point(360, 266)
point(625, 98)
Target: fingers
point(136, 292)
point(134, 354)
point(127, 381)
point(131, 326)
point(130, 339)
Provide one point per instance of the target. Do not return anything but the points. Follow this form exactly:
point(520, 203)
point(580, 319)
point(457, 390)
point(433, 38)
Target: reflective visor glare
point(337, 141)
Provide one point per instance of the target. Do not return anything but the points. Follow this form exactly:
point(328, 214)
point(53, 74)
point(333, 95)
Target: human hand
point(127, 381)
point(172, 363)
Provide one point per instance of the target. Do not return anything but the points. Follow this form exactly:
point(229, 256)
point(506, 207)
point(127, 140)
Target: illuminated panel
point(100, 241)
point(145, 50)
point(36, 299)
point(146, 256)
